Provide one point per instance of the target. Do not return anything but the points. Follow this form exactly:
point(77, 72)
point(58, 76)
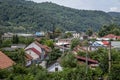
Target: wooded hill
point(27, 16)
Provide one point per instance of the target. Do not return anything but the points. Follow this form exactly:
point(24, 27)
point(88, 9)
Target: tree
point(74, 43)
point(101, 55)
point(115, 72)
point(49, 43)
point(110, 29)
point(54, 55)
point(89, 32)
point(68, 35)
point(6, 43)
point(69, 60)
point(15, 39)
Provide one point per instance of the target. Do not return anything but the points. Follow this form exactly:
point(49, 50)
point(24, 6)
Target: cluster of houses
point(34, 53)
point(37, 53)
point(26, 35)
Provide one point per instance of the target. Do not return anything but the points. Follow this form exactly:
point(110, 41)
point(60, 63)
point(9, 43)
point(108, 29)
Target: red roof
point(89, 60)
point(110, 36)
point(105, 42)
point(118, 37)
point(28, 57)
point(78, 48)
point(5, 61)
point(46, 48)
point(34, 50)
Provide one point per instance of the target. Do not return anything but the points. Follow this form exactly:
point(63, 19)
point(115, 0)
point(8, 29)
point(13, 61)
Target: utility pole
point(87, 61)
point(109, 57)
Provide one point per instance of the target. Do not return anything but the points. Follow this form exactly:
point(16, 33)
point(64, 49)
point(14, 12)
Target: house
point(64, 42)
point(28, 59)
point(100, 43)
point(94, 36)
point(33, 52)
point(55, 67)
point(111, 36)
point(7, 36)
point(24, 35)
point(8, 49)
point(115, 44)
point(92, 63)
point(5, 61)
point(76, 35)
point(37, 51)
point(39, 34)
point(79, 49)
point(18, 46)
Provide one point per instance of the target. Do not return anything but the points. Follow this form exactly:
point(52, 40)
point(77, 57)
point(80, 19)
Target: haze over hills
point(27, 16)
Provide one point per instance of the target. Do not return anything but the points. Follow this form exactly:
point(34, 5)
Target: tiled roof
point(34, 50)
point(46, 48)
point(5, 61)
point(110, 36)
point(78, 48)
point(28, 57)
point(89, 60)
point(105, 42)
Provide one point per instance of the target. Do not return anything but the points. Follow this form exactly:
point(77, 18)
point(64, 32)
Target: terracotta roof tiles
point(5, 61)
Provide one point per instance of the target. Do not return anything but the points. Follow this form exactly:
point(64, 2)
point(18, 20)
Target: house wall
point(52, 68)
point(32, 54)
point(28, 63)
point(34, 46)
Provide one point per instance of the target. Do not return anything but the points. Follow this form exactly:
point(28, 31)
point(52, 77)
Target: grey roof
point(8, 49)
point(115, 44)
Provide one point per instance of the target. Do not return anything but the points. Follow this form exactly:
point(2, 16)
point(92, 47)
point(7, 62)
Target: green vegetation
point(110, 29)
point(27, 16)
point(72, 70)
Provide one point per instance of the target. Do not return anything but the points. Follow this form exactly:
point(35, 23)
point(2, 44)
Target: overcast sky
point(104, 5)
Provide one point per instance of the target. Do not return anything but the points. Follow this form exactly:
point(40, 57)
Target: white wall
point(33, 45)
point(31, 53)
point(52, 68)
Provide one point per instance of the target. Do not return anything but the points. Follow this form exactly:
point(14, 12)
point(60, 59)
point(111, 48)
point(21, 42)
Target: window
point(56, 68)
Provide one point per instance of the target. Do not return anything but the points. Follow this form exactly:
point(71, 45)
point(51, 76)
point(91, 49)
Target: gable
point(54, 66)
point(33, 45)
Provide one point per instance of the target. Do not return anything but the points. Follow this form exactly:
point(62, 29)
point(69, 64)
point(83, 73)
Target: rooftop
point(5, 61)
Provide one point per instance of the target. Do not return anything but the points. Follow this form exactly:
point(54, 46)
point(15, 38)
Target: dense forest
point(27, 16)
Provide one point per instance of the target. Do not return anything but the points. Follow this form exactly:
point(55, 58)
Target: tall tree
point(89, 32)
point(15, 39)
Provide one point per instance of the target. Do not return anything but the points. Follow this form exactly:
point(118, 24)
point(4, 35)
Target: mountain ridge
point(28, 16)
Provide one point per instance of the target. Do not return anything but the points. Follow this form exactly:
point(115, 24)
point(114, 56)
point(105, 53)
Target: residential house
point(111, 36)
point(39, 34)
point(76, 35)
point(115, 44)
point(18, 46)
point(5, 61)
point(14, 47)
point(37, 51)
point(64, 42)
point(79, 49)
point(94, 36)
point(55, 67)
point(24, 35)
point(7, 36)
point(28, 59)
point(92, 63)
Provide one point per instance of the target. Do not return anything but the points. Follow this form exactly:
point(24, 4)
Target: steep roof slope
point(5, 61)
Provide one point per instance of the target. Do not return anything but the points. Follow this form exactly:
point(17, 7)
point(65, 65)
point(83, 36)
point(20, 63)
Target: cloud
point(115, 9)
point(104, 5)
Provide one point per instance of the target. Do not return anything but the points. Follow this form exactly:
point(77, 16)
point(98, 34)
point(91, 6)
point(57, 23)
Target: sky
point(104, 5)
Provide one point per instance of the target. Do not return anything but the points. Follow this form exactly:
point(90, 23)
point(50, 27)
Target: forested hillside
point(27, 16)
